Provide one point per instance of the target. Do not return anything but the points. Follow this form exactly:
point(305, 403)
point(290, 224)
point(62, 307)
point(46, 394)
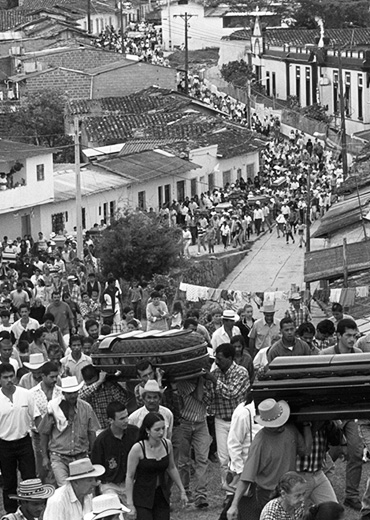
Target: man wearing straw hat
point(265, 331)
point(73, 500)
point(68, 430)
point(106, 506)
point(32, 496)
point(272, 453)
point(34, 376)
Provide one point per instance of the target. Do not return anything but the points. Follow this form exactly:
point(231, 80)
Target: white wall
point(234, 50)
point(34, 192)
point(203, 31)
point(99, 22)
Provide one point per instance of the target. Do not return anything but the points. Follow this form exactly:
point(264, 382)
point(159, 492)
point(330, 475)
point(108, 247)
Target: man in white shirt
point(17, 412)
point(73, 500)
point(227, 331)
point(25, 323)
point(151, 395)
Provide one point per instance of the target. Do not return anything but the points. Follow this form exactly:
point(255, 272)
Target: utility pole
point(78, 188)
point(342, 116)
point(89, 16)
point(121, 19)
point(308, 217)
point(186, 17)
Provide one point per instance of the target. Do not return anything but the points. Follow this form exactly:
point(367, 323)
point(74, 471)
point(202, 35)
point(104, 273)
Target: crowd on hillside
point(90, 445)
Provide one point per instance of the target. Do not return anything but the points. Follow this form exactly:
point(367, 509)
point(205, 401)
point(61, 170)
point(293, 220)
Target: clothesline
point(195, 293)
point(345, 296)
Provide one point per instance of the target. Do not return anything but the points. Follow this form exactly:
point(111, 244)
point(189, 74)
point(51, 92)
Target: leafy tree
point(335, 14)
point(237, 73)
point(137, 246)
point(40, 121)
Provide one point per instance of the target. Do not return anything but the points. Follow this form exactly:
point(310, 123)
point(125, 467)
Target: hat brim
point(104, 514)
point(49, 491)
point(268, 311)
point(34, 366)
point(143, 391)
point(280, 421)
point(99, 470)
point(71, 389)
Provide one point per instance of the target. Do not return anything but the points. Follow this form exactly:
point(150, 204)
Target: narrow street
point(273, 265)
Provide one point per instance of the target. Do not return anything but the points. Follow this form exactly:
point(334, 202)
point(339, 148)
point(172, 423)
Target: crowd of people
point(82, 438)
point(139, 39)
point(86, 443)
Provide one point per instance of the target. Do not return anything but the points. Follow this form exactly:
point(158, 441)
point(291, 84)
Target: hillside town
point(184, 260)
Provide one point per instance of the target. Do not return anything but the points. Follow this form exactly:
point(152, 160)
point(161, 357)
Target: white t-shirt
point(16, 416)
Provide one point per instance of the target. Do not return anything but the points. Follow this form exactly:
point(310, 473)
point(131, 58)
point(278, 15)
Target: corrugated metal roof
point(142, 167)
point(93, 181)
point(342, 215)
point(143, 145)
point(328, 263)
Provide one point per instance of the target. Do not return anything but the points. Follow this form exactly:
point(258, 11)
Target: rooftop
point(93, 180)
point(300, 37)
point(145, 166)
point(97, 6)
point(176, 121)
point(13, 150)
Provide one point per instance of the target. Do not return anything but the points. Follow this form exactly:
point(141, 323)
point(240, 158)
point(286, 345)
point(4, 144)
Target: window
point(160, 196)
point(112, 208)
point(83, 211)
point(298, 83)
point(180, 191)
point(308, 86)
point(335, 92)
point(57, 222)
point(167, 193)
point(360, 96)
point(347, 95)
point(40, 172)
point(99, 211)
point(226, 177)
point(66, 216)
point(105, 212)
point(211, 181)
point(141, 200)
point(268, 86)
point(193, 187)
point(274, 84)
point(239, 173)
point(250, 171)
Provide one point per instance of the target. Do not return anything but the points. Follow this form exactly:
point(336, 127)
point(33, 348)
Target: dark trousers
point(159, 511)
point(15, 455)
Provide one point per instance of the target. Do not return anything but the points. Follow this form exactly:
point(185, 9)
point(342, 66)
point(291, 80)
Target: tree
point(317, 112)
point(336, 14)
point(137, 246)
point(237, 73)
point(40, 121)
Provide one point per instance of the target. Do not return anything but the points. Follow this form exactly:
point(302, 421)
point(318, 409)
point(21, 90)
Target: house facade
point(305, 64)
point(26, 184)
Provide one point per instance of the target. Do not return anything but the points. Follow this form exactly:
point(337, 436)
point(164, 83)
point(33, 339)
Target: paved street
point(272, 265)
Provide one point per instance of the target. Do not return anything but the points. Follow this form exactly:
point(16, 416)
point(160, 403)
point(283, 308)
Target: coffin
point(181, 354)
point(319, 387)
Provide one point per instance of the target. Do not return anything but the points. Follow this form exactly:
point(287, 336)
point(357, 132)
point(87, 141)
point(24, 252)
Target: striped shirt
point(192, 410)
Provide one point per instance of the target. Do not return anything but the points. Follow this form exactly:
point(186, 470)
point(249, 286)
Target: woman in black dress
point(150, 459)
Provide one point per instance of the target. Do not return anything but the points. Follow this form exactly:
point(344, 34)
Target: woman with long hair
point(149, 460)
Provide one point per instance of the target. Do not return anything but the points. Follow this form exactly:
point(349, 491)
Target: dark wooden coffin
point(181, 354)
point(319, 387)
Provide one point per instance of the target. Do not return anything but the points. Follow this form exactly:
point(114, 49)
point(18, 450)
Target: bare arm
point(132, 462)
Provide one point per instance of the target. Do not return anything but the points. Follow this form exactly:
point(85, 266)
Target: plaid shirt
point(274, 510)
point(314, 461)
point(229, 391)
point(302, 315)
point(100, 396)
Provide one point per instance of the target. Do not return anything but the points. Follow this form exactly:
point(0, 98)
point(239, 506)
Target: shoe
point(353, 503)
point(201, 502)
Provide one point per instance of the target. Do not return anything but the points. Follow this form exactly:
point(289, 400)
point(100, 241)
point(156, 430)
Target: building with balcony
point(26, 183)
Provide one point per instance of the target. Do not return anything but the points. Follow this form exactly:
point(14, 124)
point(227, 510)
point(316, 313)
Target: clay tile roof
point(302, 37)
